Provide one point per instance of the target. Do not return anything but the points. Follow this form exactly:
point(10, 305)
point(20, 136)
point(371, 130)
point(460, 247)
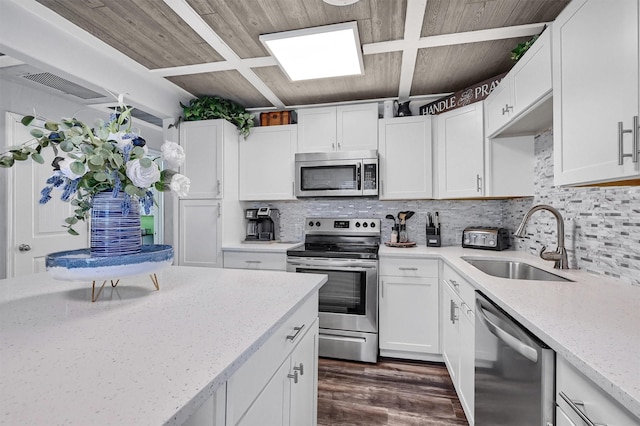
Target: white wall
point(21, 99)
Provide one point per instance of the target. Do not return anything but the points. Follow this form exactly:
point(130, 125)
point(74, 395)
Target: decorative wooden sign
point(463, 97)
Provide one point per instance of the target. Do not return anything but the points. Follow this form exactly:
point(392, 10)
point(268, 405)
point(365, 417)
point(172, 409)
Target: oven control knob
point(373, 224)
point(365, 224)
point(311, 223)
point(317, 223)
point(358, 224)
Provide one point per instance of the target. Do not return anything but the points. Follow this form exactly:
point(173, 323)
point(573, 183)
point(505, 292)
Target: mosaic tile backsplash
point(602, 225)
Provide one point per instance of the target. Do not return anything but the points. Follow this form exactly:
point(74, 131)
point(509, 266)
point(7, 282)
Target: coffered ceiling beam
point(265, 61)
point(412, 29)
point(203, 29)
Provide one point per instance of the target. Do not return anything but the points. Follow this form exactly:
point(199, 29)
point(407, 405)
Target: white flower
point(180, 184)
point(173, 154)
point(119, 139)
point(142, 177)
point(65, 168)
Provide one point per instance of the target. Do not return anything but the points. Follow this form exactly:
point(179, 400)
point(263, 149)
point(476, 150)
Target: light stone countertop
point(136, 356)
point(263, 247)
point(593, 322)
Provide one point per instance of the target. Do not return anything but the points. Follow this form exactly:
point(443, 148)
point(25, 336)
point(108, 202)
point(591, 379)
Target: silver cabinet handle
point(408, 269)
point(506, 109)
point(455, 283)
point(635, 131)
point(219, 210)
point(293, 188)
point(478, 183)
point(635, 146)
point(621, 132)
point(253, 261)
point(24, 247)
point(452, 312)
point(218, 187)
point(300, 369)
point(574, 406)
point(333, 145)
point(294, 336)
point(382, 289)
point(382, 187)
point(293, 376)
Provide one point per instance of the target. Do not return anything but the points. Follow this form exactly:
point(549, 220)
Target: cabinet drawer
point(246, 383)
point(599, 406)
point(255, 260)
point(401, 267)
point(461, 286)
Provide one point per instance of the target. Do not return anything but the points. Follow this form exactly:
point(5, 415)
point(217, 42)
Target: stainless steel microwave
point(337, 174)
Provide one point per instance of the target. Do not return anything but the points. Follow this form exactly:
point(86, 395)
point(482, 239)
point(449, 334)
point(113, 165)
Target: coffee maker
point(263, 225)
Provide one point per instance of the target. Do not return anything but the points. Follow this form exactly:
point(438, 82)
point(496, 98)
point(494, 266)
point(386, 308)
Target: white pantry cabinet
point(458, 336)
point(578, 397)
point(266, 169)
point(211, 213)
point(409, 314)
point(405, 156)
point(521, 103)
point(341, 128)
point(460, 158)
point(596, 92)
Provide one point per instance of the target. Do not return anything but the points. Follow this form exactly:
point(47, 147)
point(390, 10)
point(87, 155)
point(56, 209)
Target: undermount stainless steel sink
point(512, 269)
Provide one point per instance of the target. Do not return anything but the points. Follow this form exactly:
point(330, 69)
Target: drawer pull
point(574, 406)
point(253, 261)
point(408, 269)
point(293, 376)
point(300, 369)
point(452, 311)
point(455, 283)
point(294, 336)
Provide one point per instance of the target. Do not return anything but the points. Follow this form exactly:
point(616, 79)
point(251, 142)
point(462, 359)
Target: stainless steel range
point(347, 251)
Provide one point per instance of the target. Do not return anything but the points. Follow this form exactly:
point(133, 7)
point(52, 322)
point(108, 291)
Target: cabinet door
point(304, 393)
point(595, 87)
point(461, 152)
point(199, 236)
point(405, 157)
point(272, 405)
point(531, 76)
point(357, 127)
point(266, 164)
point(498, 105)
point(450, 316)
point(202, 143)
point(317, 129)
point(409, 314)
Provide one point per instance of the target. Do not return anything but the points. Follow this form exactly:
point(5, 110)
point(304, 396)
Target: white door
point(317, 129)
point(357, 127)
point(200, 239)
point(34, 227)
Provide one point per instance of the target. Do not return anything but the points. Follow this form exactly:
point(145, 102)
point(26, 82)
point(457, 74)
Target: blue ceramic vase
point(112, 232)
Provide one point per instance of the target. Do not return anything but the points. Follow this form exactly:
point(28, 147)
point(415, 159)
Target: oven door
point(328, 178)
point(348, 300)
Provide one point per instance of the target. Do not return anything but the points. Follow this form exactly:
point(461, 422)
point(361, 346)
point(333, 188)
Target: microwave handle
point(359, 176)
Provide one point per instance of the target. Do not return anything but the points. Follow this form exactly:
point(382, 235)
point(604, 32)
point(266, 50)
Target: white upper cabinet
point(509, 164)
point(266, 160)
point(461, 152)
point(596, 92)
point(521, 102)
point(405, 157)
point(202, 142)
point(342, 128)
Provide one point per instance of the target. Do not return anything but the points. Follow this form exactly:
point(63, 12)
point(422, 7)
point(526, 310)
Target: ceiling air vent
point(144, 116)
point(63, 85)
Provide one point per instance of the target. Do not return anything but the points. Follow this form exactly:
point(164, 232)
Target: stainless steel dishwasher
point(514, 371)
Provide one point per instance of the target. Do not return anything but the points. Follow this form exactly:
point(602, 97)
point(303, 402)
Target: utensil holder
point(433, 239)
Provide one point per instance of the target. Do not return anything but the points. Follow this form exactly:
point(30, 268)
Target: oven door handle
point(333, 265)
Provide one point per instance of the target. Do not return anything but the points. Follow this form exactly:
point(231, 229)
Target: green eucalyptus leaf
point(37, 158)
point(67, 146)
point(86, 149)
point(96, 160)
point(20, 156)
point(27, 119)
point(146, 162)
point(71, 220)
point(51, 125)
point(130, 189)
point(37, 133)
point(6, 161)
point(72, 231)
point(137, 152)
point(100, 176)
point(117, 160)
point(77, 167)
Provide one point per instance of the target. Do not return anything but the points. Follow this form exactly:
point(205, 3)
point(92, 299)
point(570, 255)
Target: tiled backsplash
point(602, 225)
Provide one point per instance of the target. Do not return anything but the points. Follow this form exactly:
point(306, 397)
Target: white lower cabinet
point(255, 260)
point(199, 236)
point(579, 400)
point(408, 319)
point(458, 336)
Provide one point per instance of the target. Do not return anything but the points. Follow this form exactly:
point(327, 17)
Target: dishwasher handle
point(522, 348)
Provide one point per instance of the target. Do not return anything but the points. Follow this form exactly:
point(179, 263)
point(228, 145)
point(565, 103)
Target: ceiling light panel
point(319, 52)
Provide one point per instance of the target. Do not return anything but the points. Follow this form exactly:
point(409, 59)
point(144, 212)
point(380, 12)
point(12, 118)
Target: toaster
point(486, 237)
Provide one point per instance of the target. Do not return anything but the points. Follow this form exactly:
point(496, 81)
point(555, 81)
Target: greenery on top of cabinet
point(212, 107)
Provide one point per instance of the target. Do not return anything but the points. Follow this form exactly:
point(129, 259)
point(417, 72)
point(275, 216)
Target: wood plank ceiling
point(412, 48)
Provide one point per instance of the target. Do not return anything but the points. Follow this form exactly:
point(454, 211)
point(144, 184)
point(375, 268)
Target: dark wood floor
point(388, 393)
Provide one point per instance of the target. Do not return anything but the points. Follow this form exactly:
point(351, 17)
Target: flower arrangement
point(109, 157)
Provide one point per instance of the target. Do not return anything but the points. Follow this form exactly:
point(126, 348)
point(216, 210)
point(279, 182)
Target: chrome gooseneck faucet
point(560, 255)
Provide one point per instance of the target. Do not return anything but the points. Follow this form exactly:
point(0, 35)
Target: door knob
point(24, 247)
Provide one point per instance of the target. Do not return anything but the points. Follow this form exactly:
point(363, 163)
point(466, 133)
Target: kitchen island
point(136, 356)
